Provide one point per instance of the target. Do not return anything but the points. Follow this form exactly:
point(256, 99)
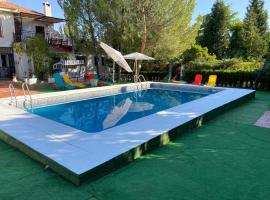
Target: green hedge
point(230, 64)
point(231, 78)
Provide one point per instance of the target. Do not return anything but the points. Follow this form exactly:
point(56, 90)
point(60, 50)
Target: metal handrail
point(141, 76)
point(139, 80)
point(12, 94)
point(25, 86)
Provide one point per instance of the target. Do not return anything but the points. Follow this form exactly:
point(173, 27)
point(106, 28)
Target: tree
point(160, 28)
point(200, 39)
point(118, 25)
point(255, 30)
point(37, 49)
point(197, 53)
point(257, 16)
point(216, 32)
point(82, 26)
point(236, 41)
point(172, 33)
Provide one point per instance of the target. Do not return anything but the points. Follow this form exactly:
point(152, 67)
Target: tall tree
point(81, 25)
point(200, 39)
point(255, 30)
point(216, 32)
point(161, 28)
point(156, 27)
point(236, 41)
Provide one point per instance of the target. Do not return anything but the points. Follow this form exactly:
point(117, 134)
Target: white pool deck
point(80, 152)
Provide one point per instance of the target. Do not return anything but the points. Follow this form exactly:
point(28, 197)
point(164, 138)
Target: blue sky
point(202, 7)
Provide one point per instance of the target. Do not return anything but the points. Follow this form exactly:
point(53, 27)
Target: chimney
point(47, 9)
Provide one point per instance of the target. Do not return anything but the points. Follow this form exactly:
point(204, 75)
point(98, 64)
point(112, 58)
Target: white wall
point(30, 25)
point(22, 63)
point(8, 29)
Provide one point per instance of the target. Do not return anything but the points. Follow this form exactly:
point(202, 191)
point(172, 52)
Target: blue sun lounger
point(60, 82)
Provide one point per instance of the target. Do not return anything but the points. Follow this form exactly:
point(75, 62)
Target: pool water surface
point(98, 114)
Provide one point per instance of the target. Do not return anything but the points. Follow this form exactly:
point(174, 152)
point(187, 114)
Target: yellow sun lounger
point(69, 82)
point(212, 81)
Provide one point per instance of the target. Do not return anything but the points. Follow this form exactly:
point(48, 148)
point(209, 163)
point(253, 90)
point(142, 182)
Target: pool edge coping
point(124, 158)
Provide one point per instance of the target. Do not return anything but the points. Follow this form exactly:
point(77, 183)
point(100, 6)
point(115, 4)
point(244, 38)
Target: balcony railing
point(53, 40)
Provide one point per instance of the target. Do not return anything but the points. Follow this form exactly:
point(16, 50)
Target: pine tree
point(236, 42)
point(161, 28)
point(257, 16)
point(216, 31)
point(255, 30)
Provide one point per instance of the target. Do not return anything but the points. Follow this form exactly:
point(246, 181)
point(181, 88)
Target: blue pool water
point(94, 115)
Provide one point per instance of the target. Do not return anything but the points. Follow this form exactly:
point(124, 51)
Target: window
point(1, 28)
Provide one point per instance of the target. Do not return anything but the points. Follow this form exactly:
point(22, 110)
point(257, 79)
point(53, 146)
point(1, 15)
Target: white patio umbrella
point(137, 57)
point(117, 58)
point(117, 113)
point(140, 107)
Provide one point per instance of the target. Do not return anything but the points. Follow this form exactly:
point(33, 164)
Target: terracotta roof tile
point(15, 7)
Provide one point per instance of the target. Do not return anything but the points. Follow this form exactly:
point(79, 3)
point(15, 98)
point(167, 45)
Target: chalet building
point(17, 24)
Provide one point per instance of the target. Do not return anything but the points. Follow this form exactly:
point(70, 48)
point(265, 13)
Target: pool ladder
point(141, 79)
point(13, 97)
point(27, 96)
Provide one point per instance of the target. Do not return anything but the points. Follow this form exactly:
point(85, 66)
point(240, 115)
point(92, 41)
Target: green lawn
point(228, 158)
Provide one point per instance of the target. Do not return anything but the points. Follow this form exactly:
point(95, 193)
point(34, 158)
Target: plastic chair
point(212, 81)
point(198, 79)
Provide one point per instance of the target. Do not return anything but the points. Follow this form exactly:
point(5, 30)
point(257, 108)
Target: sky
point(240, 6)
point(202, 6)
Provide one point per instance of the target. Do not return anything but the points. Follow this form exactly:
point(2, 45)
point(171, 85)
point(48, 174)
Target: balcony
point(55, 40)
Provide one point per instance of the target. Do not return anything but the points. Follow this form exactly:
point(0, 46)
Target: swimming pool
point(98, 114)
point(64, 132)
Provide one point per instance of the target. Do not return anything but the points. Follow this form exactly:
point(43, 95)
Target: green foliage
point(236, 42)
point(216, 35)
point(171, 33)
point(255, 31)
point(198, 53)
point(37, 50)
point(19, 48)
point(200, 39)
point(229, 64)
point(233, 78)
point(257, 16)
point(161, 28)
point(81, 25)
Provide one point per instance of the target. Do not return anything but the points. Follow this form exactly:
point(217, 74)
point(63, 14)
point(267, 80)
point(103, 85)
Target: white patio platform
point(80, 152)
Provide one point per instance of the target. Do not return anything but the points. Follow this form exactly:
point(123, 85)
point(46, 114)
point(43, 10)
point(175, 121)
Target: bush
point(37, 49)
point(199, 54)
point(229, 64)
point(232, 78)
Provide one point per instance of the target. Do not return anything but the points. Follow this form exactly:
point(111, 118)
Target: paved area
point(228, 158)
point(4, 90)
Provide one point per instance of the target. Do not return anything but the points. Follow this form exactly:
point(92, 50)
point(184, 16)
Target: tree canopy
point(216, 35)
point(161, 28)
point(255, 30)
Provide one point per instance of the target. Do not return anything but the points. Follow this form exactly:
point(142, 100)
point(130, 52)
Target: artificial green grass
point(228, 158)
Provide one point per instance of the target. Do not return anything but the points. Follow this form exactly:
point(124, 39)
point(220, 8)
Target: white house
point(18, 24)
